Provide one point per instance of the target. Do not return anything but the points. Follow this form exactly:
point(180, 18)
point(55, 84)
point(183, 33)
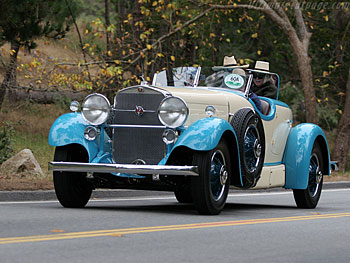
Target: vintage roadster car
point(195, 136)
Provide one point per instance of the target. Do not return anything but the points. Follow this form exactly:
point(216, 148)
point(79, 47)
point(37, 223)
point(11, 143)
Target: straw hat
point(239, 71)
point(262, 67)
point(229, 63)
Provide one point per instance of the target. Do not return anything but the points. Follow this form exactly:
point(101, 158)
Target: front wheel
point(183, 194)
point(210, 188)
point(72, 189)
point(309, 197)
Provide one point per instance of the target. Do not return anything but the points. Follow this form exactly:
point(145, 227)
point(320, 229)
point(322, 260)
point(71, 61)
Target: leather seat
point(265, 107)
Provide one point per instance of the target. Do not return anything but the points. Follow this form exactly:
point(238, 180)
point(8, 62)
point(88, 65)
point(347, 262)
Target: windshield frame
point(195, 80)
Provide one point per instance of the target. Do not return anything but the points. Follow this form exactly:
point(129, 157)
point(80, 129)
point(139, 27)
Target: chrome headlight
point(172, 112)
point(95, 109)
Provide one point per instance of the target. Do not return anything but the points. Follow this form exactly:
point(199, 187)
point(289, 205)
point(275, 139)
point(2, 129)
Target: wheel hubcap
point(315, 175)
point(257, 148)
point(252, 148)
point(223, 175)
point(218, 175)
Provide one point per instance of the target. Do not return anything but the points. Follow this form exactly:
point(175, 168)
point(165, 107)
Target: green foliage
point(25, 20)
point(6, 141)
point(290, 94)
point(328, 117)
point(62, 102)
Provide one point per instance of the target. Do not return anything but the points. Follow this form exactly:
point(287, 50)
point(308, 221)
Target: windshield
point(263, 84)
point(177, 77)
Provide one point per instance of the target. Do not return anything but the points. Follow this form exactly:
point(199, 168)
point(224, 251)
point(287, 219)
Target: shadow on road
point(183, 209)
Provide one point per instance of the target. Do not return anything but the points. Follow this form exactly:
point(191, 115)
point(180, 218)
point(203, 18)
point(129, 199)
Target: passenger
point(217, 79)
point(241, 72)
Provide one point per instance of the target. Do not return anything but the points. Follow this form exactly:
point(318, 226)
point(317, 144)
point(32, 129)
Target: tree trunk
point(341, 146)
point(300, 48)
point(305, 71)
point(10, 76)
point(108, 23)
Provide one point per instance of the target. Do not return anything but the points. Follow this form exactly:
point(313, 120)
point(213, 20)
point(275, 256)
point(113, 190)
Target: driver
point(263, 82)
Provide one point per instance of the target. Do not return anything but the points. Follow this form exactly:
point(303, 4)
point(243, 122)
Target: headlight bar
point(95, 109)
point(173, 112)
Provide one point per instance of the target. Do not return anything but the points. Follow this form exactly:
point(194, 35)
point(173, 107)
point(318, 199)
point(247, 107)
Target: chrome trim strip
point(196, 78)
point(147, 111)
point(165, 93)
point(154, 79)
point(123, 168)
point(134, 126)
point(250, 80)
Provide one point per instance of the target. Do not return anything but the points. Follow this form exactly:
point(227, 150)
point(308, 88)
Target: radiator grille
point(130, 144)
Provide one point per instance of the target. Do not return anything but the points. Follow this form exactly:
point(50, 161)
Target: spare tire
point(251, 142)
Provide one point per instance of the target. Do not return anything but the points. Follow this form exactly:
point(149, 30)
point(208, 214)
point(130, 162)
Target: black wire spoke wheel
point(218, 175)
point(210, 188)
point(252, 148)
point(309, 197)
point(251, 142)
point(315, 175)
point(72, 188)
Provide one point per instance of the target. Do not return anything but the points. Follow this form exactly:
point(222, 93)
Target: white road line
point(166, 197)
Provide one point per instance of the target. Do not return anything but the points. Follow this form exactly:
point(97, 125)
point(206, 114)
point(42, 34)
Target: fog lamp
point(169, 136)
point(74, 106)
point(91, 133)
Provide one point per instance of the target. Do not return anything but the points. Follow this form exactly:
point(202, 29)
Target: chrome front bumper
point(123, 168)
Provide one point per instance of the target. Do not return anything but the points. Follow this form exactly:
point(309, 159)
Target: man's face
point(258, 78)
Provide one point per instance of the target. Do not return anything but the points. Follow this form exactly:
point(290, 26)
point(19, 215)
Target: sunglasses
point(258, 75)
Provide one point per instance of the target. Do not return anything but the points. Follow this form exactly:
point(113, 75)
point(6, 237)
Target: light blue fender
point(68, 129)
point(204, 134)
point(298, 151)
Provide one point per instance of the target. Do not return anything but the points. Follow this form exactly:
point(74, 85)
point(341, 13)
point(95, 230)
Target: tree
point(23, 22)
point(342, 61)
point(341, 146)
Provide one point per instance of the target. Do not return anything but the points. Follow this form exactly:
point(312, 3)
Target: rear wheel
point(309, 197)
point(72, 189)
point(210, 188)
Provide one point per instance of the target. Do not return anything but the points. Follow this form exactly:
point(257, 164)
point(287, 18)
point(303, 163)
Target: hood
point(199, 96)
point(197, 99)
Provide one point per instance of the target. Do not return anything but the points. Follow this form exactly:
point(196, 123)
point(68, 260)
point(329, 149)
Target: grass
point(32, 123)
point(337, 176)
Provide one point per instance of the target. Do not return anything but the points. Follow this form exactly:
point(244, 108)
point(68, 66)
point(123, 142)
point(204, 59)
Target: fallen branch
point(45, 96)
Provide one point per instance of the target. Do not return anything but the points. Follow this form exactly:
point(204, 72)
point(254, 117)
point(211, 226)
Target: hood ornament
point(144, 82)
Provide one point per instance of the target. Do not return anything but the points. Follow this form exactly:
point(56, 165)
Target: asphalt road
point(254, 227)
